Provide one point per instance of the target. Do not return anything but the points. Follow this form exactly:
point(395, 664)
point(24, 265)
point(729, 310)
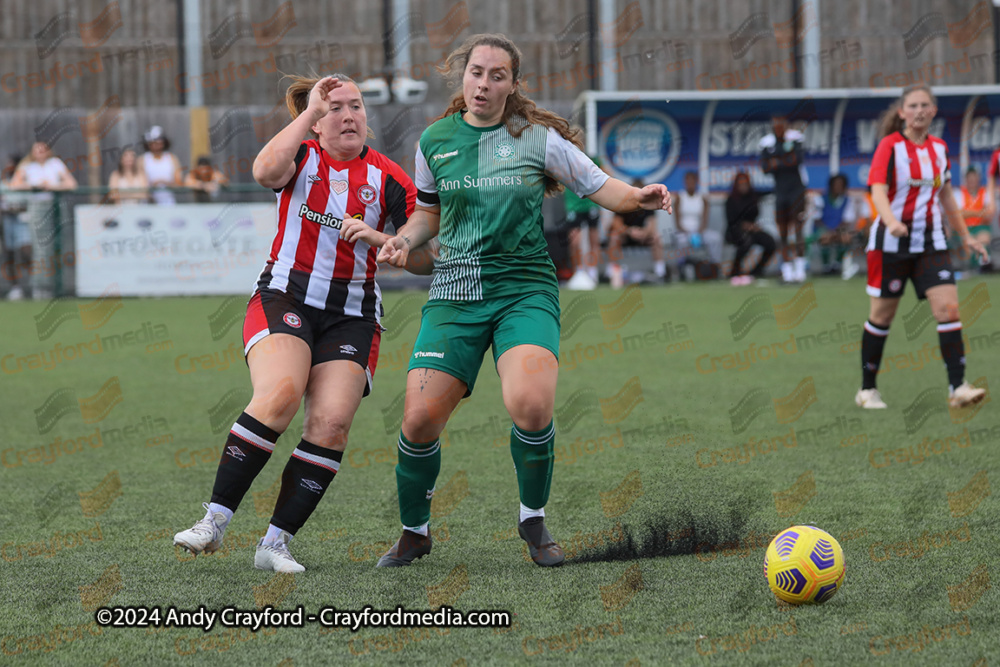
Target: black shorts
point(888, 271)
point(576, 220)
point(792, 205)
point(330, 336)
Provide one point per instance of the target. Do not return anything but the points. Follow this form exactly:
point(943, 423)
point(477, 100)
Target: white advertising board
point(182, 249)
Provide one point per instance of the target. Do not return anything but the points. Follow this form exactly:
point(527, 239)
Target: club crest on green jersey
point(504, 151)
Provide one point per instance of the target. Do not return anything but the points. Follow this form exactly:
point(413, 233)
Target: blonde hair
point(297, 95)
point(890, 122)
point(518, 108)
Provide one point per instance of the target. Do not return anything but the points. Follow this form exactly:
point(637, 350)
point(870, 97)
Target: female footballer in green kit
point(482, 171)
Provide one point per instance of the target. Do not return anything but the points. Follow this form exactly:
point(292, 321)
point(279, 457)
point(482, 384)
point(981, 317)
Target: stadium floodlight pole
point(191, 13)
point(808, 16)
point(387, 45)
point(608, 28)
point(996, 41)
point(592, 37)
point(401, 39)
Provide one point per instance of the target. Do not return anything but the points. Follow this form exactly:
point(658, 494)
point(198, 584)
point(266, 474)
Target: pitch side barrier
point(658, 136)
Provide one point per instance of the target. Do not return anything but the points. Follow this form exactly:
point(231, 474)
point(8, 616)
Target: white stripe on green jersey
point(490, 187)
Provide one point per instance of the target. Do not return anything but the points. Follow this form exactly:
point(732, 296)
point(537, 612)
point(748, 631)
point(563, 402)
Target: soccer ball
point(804, 565)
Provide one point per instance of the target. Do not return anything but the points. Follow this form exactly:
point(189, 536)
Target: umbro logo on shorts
point(313, 486)
point(292, 320)
point(943, 275)
point(348, 349)
point(235, 452)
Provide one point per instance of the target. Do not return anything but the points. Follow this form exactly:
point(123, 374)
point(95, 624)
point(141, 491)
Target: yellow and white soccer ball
point(804, 565)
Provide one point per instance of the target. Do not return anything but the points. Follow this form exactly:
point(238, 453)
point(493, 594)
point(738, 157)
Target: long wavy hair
point(890, 121)
point(297, 95)
point(518, 107)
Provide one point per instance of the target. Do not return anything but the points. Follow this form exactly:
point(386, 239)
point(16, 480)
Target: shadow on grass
point(678, 534)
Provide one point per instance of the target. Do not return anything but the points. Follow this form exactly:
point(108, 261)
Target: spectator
point(580, 213)
point(16, 232)
point(635, 228)
point(691, 211)
point(743, 231)
point(835, 218)
point(43, 173)
point(972, 200)
point(205, 180)
point(162, 168)
point(781, 156)
point(128, 182)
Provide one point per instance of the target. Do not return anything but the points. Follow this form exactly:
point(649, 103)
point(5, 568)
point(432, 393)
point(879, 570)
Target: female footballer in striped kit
point(312, 326)
point(910, 181)
point(482, 171)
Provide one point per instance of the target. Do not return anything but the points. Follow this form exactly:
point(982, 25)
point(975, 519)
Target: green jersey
point(490, 187)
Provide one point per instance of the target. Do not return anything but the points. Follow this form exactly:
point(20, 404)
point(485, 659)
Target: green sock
point(533, 456)
point(824, 254)
point(416, 473)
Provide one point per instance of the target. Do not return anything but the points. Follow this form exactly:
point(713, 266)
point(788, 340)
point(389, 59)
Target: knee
point(328, 432)
point(277, 406)
point(947, 312)
point(421, 423)
point(531, 411)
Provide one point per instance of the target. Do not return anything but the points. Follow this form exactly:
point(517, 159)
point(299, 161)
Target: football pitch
point(693, 424)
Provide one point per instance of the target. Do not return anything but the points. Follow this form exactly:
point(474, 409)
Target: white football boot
point(276, 556)
point(965, 394)
point(869, 399)
point(204, 537)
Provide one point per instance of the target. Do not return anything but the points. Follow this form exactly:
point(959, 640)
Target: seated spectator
point(972, 201)
point(636, 228)
point(691, 215)
point(16, 233)
point(162, 168)
point(44, 173)
point(835, 218)
point(205, 180)
point(128, 182)
point(743, 231)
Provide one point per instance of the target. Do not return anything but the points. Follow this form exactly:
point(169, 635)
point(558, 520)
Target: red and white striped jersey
point(914, 175)
point(308, 258)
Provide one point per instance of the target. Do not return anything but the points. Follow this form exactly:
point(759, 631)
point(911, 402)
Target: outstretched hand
point(655, 197)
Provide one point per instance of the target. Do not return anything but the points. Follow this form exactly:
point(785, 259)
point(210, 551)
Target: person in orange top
point(972, 200)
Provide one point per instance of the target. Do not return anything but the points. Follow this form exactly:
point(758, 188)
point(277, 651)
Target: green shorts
point(454, 335)
point(975, 229)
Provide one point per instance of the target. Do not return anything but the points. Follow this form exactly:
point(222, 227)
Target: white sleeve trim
point(424, 180)
point(570, 166)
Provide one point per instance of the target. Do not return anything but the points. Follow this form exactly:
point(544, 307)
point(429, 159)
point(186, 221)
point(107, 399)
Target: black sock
point(309, 472)
point(248, 449)
point(952, 351)
point(872, 344)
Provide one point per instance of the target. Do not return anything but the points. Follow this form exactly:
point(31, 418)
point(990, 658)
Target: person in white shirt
point(162, 168)
point(43, 173)
point(692, 221)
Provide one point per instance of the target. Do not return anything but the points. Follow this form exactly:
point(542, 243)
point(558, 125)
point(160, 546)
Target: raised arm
point(275, 164)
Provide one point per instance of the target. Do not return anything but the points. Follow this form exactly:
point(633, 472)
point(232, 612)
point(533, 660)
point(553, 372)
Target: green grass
point(725, 512)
